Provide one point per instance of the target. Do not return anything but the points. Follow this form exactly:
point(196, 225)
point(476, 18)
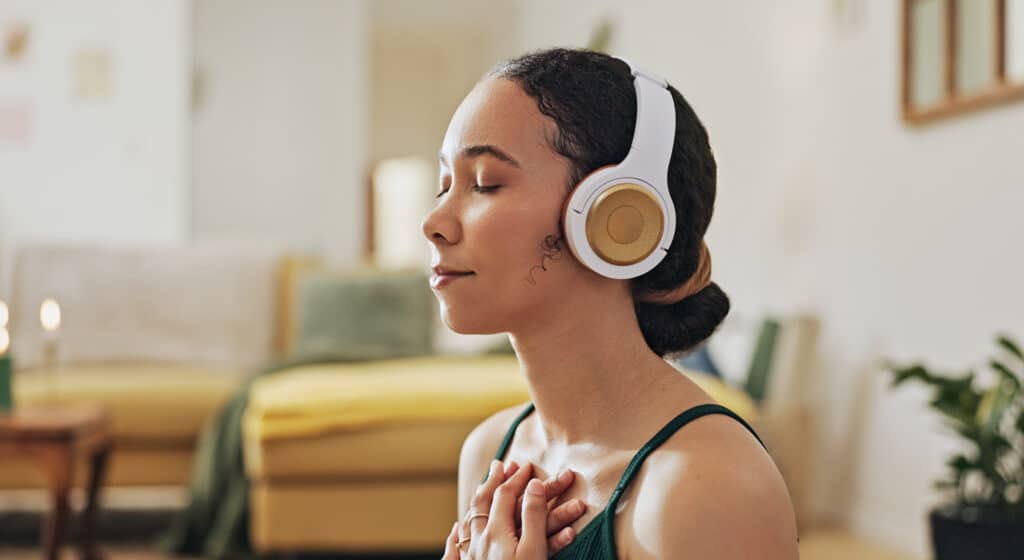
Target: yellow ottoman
point(363, 457)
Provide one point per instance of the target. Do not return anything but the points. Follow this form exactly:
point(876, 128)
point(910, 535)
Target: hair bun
point(679, 327)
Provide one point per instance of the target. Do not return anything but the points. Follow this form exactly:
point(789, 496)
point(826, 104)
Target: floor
point(818, 545)
point(838, 545)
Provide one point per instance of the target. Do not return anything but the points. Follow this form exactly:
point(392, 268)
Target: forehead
point(498, 112)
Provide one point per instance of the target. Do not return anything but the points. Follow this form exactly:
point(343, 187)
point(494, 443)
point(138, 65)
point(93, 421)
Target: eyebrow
point(484, 149)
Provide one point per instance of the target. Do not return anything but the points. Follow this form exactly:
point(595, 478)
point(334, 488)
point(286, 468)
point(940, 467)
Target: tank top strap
point(634, 465)
point(503, 448)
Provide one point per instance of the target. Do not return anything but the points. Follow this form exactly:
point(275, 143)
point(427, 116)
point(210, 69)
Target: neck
point(589, 371)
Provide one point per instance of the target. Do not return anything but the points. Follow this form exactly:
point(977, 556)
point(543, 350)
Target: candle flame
point(49, 314)
point(5, 341)
point(4, 315)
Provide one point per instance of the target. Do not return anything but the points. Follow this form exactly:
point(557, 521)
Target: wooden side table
point(55, 436)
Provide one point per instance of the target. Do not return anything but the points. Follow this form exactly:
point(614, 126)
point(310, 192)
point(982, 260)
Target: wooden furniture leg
point(59, 463)
point(98, 469)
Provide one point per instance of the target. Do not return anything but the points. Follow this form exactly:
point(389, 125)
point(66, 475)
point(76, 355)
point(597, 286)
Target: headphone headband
point(654, 133)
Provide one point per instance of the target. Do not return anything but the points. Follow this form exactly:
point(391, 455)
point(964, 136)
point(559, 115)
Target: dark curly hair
point(592, 99)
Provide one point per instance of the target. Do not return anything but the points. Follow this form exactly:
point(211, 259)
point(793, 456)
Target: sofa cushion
point(324, 398)
point(156, 404)
point(395, 450)
point(364, 314)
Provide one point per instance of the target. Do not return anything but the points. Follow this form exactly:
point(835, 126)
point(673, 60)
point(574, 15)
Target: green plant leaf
point(956, 398)
point(1010, 346)
point(971, 432)
point(1004, 372)
point(903, 374)
point(994, 405)
point(960, 463)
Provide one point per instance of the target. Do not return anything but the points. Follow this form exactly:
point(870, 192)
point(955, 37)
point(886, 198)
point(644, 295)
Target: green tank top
point(596, 541)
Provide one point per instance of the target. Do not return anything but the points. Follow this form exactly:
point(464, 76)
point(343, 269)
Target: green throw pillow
point(365, 315)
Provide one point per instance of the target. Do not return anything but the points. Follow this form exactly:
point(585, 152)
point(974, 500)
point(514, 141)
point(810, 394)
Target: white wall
point(280, 130)
point(110, 169)
point(901, 239)
point(917, 238)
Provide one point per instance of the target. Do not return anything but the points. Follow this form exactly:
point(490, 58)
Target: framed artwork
point(960, 56)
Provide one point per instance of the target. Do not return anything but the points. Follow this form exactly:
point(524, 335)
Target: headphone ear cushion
point(563, 216)
point(576, 189)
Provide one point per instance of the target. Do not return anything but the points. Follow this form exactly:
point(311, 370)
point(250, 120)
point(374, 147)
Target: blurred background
point(205, 186)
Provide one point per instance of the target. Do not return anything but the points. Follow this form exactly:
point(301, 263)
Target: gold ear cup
point(625, 224)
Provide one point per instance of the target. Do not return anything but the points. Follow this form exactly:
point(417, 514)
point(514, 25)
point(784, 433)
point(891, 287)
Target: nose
point(440, 226)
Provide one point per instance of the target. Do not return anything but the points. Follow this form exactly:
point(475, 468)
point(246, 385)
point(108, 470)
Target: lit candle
point(6, 400)
point(49, 317)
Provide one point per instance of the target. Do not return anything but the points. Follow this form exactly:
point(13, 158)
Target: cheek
point(510, 238)
point(514, 247)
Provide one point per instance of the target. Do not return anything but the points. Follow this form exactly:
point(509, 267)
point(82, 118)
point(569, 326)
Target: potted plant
point(984, 516)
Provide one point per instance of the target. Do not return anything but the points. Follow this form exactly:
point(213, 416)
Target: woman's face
point(507, 236)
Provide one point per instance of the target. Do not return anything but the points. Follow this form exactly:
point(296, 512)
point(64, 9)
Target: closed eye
point(478, 188)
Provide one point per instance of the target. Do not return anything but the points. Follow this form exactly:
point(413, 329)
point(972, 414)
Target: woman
point(591, 347)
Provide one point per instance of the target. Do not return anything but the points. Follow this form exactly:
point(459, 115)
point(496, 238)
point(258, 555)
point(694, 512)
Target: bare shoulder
point(712, 491)
point(478, 451)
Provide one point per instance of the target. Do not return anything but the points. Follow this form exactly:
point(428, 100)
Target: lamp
point(402, 196)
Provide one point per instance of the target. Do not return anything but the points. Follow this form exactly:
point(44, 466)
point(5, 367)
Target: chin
point(467, 321)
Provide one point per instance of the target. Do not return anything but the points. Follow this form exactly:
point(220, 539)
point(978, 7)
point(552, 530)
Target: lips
point(440, 269)
point(446, 278)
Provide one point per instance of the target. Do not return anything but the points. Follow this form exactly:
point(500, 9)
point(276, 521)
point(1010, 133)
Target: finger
point(565, 515)
point(451, 546)
point(511, 469)
point(519, 512)
point(503, 507)
point(483, 498)
point(495, 466)
point(534, 543)
point(553, 488)
point(556, 486)
point(560, 540)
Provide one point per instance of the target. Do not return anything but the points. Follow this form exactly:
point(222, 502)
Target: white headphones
point(620, 220)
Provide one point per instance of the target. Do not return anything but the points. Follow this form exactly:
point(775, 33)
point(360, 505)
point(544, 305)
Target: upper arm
point(478, 450)
point(728, 504)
